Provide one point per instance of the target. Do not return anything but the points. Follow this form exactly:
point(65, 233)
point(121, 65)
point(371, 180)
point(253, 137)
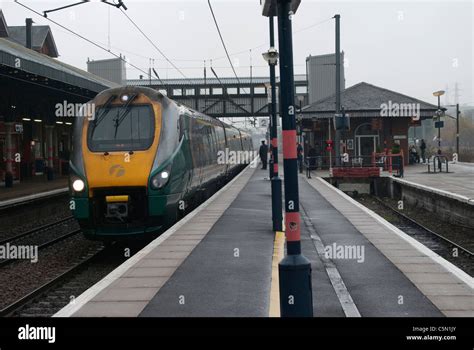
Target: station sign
point(439, 124)
point(19, 128)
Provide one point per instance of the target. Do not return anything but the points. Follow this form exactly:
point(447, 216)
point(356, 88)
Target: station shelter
point(34, 138)
point(378, 119)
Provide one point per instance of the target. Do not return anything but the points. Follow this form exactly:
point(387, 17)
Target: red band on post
point(289, 144)
point(275, 168)
point(292, 225)
point(274, 142)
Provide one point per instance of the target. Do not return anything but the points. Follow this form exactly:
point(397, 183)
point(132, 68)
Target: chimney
point(29, 23)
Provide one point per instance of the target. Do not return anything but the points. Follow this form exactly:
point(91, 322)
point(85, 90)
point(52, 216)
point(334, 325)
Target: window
point(259, 90)
point(163, 92)
point(177, 92)
point(301, 89)
point(120, 129)
point(217, 91)
point(244, 90)
point(189, 92)
point(232, 90)
point(204, 91)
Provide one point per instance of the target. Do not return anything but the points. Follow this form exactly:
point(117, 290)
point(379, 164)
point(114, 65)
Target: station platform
point(222, 260)
point(458, 183)
point(32, 187)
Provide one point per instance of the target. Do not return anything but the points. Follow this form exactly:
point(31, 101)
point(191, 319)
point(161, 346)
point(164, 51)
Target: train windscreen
point(121, 129)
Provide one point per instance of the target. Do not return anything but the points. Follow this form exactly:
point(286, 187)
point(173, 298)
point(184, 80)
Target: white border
point(90, 293)
point(463, 276)
point(32, 197)
point(444, 193)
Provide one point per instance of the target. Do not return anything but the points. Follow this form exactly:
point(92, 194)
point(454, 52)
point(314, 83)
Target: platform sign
point(439, 124)
point(19, 128)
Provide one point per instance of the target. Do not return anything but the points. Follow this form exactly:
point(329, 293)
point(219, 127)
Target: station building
point(33, 138)
point(378, 117)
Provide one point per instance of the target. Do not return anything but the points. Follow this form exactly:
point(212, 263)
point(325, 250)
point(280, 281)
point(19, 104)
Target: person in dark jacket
point(263, 152)
point(423, 149)
point(299, 153)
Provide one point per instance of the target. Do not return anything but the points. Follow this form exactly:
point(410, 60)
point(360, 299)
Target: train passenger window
point(119, 129)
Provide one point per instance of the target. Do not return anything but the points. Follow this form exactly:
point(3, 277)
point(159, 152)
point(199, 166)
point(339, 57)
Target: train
point(140, 161)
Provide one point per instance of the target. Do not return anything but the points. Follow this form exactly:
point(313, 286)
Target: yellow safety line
point(278, 253)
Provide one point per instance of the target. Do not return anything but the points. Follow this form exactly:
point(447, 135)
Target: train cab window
point(119, 129)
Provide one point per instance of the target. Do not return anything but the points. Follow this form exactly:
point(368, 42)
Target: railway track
point(433, 240)
point(36, 234)
point(413, 222)
point(59, 293)
point(36, 230)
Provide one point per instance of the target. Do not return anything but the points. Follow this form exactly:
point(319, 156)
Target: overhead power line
point(80, 36)
point(153, 44)
point(222, 40)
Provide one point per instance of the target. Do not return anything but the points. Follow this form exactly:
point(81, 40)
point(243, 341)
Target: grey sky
point(411, 47)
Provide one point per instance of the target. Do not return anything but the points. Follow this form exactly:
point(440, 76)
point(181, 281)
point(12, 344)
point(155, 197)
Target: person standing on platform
point(299, 153)
point(423, 149)
point(263, 152)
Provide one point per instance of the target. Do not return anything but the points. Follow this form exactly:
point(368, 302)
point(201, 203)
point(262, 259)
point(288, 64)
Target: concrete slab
point(229, 272)
point(111, 309)
point(377, 287)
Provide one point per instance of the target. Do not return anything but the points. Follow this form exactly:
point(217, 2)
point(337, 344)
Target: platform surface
point(220, 261)
point(31, 187)
point(459, 181)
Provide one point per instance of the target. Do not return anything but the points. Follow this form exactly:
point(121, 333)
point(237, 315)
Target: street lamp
point(439, 113)
point(271, 56)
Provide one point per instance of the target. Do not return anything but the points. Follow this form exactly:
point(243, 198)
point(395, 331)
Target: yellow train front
point(141, 161)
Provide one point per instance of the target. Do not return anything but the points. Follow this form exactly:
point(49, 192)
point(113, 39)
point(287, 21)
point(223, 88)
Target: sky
point(412, 47)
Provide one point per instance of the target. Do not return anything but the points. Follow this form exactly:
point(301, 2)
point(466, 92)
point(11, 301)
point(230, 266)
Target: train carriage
point(141, 160)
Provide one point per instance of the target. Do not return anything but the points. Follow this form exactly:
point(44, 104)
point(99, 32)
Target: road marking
point(345, 299)
point(278, 254)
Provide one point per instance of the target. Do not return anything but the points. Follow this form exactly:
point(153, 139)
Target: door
point(366, 146)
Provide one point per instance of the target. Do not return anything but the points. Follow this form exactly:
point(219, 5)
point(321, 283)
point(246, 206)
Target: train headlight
point(78, 185)
point(160, 179)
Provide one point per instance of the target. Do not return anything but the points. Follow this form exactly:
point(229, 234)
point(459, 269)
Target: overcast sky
point(410, 47)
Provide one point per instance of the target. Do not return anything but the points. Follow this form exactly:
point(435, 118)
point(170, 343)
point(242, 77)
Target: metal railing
point(387, 161)
point(438, 161)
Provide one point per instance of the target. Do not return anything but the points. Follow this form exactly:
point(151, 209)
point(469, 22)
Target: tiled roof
point(364, 97)
point(39, 35)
